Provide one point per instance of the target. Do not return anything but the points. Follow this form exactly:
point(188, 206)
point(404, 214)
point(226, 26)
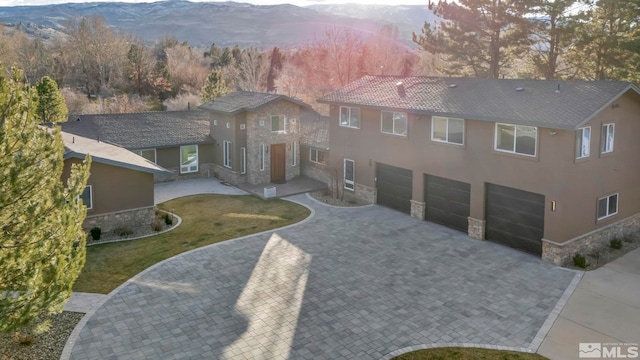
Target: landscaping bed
point(328, 197)
point(599, 257)
point(459, 353)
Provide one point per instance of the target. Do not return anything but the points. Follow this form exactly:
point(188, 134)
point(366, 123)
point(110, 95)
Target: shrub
point(95, 233)
point(616, 244)
point(123, 232)
point(157, 225)
point(26, 339)
point(168, 219)
point(580, 261)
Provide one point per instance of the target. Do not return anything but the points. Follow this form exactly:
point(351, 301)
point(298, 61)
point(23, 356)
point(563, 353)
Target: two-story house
point(548, 167)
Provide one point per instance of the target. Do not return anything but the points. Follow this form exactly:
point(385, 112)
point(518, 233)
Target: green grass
point(206, 219)
point(455, 353)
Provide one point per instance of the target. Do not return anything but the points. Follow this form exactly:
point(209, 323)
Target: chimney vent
point(558, 89)
point(401, 91)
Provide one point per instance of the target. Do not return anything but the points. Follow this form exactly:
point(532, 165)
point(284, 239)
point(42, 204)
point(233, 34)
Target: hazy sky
point(257, 2)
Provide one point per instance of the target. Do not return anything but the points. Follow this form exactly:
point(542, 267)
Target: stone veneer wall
point(227, 175)
point(476, 228)
point(561, 254)
point(120, 219)
point(418, 209)
point(257, 135)
point(316, 172)
point(204, 170)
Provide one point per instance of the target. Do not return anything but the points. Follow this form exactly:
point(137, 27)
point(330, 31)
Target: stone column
point(417, 209)
point(476, 228)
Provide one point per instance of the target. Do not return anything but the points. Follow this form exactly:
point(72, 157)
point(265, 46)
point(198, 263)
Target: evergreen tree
point(51, 106)
point(478, 37)
point(214, 87)
point(274, 69)
point(42, 244)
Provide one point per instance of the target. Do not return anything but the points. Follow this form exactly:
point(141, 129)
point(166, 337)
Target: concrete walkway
point(347, 283)
point(605, 308)
point(175, 189)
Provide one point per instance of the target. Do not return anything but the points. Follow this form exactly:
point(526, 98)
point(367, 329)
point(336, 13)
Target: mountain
point(225, 23)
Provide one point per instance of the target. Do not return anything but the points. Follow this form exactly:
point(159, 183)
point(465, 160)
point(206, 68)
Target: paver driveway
point(349, 283)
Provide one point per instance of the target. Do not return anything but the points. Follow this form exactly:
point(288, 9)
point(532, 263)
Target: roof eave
point(160, 170)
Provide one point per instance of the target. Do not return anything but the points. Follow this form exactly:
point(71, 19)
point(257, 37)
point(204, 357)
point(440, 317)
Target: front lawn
point(206, 219)
point(457, 353)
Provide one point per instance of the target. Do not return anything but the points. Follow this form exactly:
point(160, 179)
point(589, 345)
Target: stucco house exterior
point(120, 189)
point(547, 167)
point(257, 136)
point(178, 141)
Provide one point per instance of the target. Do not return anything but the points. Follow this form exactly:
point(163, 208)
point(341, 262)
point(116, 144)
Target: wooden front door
point(278, 163)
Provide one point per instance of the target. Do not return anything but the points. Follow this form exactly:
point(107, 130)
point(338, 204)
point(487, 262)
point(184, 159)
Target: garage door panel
point(394, 186)
point(514, 218)
point(447, 202)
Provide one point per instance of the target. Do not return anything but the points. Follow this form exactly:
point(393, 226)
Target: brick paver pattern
point(350, 283)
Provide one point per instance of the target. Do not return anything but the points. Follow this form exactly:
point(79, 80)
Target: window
point(607, 138)
point(215, 122)
point(349, 174)
point(607, 206)
point(228, 126)
point(149, 154)
point(517, 139)
point(188, 159)
point(316, 156)
point(449, 130)
point(243, 170)
point(350, 117)
point(394, 123)
point(226, 153)
point(262, 156)
point(278, 123)
point(243, 126)
point(87, 197)
point(294, 155)
point(583, 142)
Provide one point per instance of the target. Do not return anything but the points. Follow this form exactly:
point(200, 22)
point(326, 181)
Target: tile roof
point(144, 130)
point(516, 101)
point(238, 101)
point(314, 129)
point(76, 146)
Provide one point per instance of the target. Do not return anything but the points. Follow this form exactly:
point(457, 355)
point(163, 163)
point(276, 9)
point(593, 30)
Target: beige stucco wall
point(575, 185)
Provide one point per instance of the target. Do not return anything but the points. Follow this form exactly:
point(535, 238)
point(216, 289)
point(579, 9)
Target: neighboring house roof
point(545, 103)
point(144, 130)
point(314, 130)
point(239, 101)
point(76, 146)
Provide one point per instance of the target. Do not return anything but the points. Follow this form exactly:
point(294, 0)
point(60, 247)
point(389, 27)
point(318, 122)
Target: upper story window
point(608, 131)
point(517, 139)
point(278, 123)
point(394, 123)
point(583, 142)
point(607, 206)
point(350, 117)
point(449, 130)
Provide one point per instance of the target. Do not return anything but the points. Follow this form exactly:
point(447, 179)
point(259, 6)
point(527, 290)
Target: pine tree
point(51, 106)
point(214, 87)
point(478, 37)
point(42, 244)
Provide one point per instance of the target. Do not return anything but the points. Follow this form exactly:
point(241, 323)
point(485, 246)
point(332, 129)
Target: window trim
point(226, 154)
point(446, 141)
point(608, 197)
point(351, 181)
point(284, 124)
point(311, 157)
point(515, 137)
point(349, 121)
point(579, 143)
point(188, 167)
point(90, 187)
point(155, 155)
point(604, 138)
point(393, 123)
point(243, 168)
point(262, 157)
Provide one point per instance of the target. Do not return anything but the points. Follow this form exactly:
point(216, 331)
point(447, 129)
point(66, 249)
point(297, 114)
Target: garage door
point(395, 187)
point(447, 202)
point(515, 218)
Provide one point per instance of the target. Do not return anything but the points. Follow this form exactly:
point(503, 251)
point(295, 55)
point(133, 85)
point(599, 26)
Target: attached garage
point(395, 187)
point(447, 202)
point(515, 218)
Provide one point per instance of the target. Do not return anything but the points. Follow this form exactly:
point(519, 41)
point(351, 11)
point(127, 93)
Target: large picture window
point(608, 132)
point(349, 174)
point(449, 130)
point(607, 206)
point(188, 159)
point(517, 139)
point(583, 142)
point(278, 123)
point(394, 123)
point(350, 117)
point(226, 153)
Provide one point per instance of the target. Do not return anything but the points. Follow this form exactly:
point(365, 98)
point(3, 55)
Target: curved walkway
point(347, 283)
